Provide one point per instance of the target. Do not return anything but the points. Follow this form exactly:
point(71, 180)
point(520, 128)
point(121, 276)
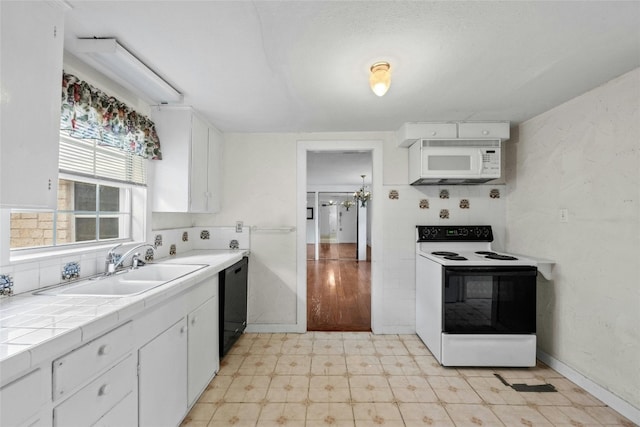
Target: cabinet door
point(199, 165)
point(171, 174)
point(162, 380)
point(22, 399)
point(202, 348)
point(31, 69)
point(494, 130)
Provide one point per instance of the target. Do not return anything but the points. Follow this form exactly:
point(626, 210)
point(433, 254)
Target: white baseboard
point(399, 330)
point(274, 328)
point(622, 406)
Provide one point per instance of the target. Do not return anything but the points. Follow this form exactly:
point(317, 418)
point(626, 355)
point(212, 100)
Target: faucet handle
point(113, 249)
point(136, 261)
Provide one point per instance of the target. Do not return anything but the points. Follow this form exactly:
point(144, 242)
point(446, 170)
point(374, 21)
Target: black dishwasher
point(233, 303)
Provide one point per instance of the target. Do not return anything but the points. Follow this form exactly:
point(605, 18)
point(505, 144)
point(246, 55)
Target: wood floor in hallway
point(338, 290)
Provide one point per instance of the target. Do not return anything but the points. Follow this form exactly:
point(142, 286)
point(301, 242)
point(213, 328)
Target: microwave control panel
point(490, 161)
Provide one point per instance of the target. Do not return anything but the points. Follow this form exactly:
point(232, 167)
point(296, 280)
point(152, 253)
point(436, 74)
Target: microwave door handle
point(479, 161)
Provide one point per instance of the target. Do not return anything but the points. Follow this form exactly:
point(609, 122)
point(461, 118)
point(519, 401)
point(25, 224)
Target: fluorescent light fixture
point(113, 60)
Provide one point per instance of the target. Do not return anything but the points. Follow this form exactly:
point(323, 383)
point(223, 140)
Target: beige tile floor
point(361, 379)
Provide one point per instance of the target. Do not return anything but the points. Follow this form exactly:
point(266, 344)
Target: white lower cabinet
point(162, 378)
point(76, 367)
point(123, 414)
point(203, 348)
point(21, 401)
point(148, 371)
point(97, 398)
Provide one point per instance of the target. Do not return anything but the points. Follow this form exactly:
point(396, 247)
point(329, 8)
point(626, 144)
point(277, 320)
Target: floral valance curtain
point(89, 113)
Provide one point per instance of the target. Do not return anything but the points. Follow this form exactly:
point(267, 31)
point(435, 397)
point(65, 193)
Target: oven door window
point(489, 300)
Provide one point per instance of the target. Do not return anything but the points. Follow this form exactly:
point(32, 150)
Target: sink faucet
point(111, 265)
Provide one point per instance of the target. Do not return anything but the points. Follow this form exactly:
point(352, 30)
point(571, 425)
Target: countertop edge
point(118, 310)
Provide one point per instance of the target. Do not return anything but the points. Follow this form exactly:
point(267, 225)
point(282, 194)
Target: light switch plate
point(564, 215)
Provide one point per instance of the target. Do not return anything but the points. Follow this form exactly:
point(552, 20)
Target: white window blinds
point(87, 158)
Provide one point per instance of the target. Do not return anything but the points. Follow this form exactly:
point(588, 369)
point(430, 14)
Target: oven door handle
point(492, 271)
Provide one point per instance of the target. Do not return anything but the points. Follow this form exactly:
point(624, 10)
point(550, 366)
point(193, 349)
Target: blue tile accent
point(71, 270)
point(6, 285)
point(116, 257)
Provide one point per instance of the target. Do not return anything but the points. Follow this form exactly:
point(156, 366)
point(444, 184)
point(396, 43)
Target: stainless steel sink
point(126, 283)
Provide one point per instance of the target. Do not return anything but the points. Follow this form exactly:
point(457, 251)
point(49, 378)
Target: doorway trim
point(376, 149)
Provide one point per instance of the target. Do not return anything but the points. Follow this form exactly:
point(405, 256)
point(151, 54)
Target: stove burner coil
point(455, 258)
point(502, 257)
point(486, 253)
point(444, 253)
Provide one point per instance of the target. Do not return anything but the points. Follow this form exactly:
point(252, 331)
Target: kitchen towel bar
point(289, 229)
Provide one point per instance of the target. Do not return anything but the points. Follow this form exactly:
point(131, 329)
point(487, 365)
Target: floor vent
point(537, 388)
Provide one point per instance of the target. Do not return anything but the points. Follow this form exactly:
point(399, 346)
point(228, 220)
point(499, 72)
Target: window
point(96, 189)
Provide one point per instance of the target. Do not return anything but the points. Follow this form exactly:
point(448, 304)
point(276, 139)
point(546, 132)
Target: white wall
point(260, 177)
point(584, 156)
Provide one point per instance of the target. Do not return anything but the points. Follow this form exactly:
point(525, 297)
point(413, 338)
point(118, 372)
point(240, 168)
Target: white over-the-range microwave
point(454, 161)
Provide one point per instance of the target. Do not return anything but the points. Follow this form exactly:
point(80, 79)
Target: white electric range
point(474, 306)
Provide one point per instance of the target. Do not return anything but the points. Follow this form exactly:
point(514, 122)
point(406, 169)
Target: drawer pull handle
point(104, 390)
point(193, 321)
point(104, 350)
point(183, 330)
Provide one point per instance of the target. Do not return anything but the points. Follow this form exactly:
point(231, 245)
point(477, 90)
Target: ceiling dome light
point(380, 78)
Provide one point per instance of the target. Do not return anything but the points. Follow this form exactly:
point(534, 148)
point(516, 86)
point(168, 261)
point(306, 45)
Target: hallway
point(338, 289)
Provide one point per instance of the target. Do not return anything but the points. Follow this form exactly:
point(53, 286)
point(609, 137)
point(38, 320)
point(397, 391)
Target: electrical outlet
point(564, 215)
point(239, 226)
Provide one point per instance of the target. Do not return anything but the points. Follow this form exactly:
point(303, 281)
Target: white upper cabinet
point(188, 178)
point(413, 131)
point(495, 130)
point(31, 69)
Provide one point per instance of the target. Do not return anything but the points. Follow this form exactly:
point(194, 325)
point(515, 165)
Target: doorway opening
point(338, 243)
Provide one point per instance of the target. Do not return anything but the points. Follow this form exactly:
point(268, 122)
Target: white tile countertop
point(34, 328)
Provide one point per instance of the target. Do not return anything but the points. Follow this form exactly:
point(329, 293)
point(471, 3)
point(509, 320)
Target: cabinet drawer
point(73, 369)
point(23, 398)
point(98, 397)
point(124, 414)
point(484, 130)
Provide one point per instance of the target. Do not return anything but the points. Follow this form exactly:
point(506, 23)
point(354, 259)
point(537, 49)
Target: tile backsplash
point(28, 276)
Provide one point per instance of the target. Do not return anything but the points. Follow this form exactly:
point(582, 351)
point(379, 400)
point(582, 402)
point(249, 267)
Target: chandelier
point(361, 195)
point(347, 204)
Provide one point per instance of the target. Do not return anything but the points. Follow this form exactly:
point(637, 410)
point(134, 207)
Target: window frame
point(136, 197)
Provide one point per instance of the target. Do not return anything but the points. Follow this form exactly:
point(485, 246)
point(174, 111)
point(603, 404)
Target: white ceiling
point(302, 66)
